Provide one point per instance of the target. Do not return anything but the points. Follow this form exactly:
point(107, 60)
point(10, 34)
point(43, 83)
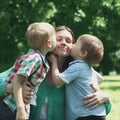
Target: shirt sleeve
point(26, 66)
point(70, 74)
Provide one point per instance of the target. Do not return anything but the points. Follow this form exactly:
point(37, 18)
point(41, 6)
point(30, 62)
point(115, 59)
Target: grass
point(111, 85)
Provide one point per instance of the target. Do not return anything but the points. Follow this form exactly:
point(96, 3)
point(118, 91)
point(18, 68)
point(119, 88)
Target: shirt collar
point(44, 60)
point(77, 61)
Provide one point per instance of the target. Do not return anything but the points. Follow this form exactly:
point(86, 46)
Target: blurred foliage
point(99, 17)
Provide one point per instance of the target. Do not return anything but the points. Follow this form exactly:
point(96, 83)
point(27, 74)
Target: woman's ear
point(48, 43)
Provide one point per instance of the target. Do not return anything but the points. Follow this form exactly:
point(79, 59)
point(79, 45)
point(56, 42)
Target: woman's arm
point(27, 90)
point(95, 99)
point(100, 78)
point(98, 97)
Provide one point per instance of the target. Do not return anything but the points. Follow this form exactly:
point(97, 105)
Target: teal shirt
point(3, 77)
point(56, 102)
point(2, 88)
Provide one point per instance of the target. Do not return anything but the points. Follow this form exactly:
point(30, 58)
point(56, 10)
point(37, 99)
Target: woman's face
point(64, 43)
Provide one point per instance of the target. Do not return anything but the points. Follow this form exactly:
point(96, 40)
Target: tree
point(99, 17)
point(15, 17)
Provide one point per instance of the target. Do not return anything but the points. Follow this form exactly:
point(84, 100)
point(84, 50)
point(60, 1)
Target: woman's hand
point(28, 92)
point(8, 88)
point(95, 99)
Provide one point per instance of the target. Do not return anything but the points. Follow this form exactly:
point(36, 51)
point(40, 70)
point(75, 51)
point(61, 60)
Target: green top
point(3, 77)
point(2, 88)
point(56, 102)
point(108, 108)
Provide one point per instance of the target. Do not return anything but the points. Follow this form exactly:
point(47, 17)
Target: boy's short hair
point(94, 48)
point(38, 33)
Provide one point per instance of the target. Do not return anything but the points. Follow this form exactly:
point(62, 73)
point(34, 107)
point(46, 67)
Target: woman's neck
point(60, 63)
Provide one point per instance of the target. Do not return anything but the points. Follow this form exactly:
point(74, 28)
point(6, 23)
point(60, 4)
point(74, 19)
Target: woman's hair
point(66, 62)
point(63, 27)
point(37, 34)
point(69, 58)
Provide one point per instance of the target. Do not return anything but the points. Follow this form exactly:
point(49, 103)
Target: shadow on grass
point(117, 82)
point(111, 88)
point(111, 80)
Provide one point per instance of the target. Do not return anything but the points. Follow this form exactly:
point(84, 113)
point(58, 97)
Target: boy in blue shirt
point(79, 78)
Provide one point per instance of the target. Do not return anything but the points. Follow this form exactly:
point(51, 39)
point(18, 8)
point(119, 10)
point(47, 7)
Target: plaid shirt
point(33, 66)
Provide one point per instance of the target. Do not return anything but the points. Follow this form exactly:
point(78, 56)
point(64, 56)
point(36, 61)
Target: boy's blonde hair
point(38, 33)
point(94, 48)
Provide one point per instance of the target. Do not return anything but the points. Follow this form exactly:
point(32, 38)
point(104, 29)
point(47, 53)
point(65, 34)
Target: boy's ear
point(83, 54)
point(48, 43)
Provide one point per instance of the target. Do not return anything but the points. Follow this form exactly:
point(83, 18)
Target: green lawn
point(111, 85)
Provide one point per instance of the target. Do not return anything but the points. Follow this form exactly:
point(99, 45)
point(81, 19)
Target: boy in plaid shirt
point(30, 67)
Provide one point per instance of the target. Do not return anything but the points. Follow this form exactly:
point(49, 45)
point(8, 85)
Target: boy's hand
point(52, 58)
point(8, 89)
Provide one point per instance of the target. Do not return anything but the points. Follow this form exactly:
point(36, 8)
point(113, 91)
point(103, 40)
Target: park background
point(97, 17)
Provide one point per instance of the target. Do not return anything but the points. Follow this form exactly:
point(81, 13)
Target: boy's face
point(76, 50)
point(53, 41)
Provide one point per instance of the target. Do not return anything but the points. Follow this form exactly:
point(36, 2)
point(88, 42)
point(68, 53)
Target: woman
point(51, 99)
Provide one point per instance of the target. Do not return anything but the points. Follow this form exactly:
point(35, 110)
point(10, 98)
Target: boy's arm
point(55, 71)
point(55, 75)
point(98, 97)
point(17, 92)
